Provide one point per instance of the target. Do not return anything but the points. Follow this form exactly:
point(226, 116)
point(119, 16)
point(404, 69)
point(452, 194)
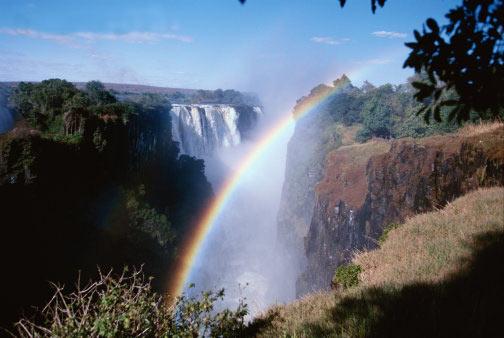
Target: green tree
point(467, 56)
point(42, 104)
point(98, 94)
point(377, 114)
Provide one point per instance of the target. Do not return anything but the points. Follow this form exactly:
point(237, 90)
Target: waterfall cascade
point(202, 128)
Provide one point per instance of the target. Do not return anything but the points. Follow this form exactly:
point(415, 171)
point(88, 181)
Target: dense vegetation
point(88, 180)
point(386, 111)
point(126, 306)
point(218, 96)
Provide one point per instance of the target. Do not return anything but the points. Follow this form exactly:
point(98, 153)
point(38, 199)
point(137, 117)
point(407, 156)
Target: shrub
point(126, 306)
point(346, 276)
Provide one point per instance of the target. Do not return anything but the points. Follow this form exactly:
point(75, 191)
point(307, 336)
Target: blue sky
point(263, 46)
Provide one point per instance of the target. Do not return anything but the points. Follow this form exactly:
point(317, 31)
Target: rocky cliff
point(368, 186)
point(315, 134)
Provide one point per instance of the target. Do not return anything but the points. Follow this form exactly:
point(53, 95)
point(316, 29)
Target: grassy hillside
point(438, 274)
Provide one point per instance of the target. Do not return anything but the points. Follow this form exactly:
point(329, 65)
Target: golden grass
point(289, 318)
point(470, 130)
point(427, 248)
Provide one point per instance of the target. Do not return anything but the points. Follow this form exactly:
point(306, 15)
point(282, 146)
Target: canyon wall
point(366, 187)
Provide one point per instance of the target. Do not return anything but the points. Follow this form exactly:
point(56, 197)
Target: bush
point(126, 306)
point(347, 276)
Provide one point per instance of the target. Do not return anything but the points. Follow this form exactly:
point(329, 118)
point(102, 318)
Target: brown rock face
point(366, 187)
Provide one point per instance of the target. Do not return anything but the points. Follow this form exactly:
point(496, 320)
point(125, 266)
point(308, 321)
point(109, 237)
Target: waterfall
point(201, 129)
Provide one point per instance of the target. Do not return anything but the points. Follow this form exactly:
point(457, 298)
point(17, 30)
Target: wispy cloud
point(389, 35)
point(76, 39)
point(132, 37)
point(328, 40)
point(59, 38)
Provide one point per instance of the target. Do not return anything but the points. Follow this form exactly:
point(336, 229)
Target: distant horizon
point(189, 88)
point(276, 49)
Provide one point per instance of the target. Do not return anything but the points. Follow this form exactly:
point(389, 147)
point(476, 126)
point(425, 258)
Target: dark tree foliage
point(90, 181)
point(467, 56)
point(98, 94)
point(374, 3)
point(40, 103)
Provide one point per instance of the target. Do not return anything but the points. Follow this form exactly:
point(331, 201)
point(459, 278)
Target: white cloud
point(132, 37)
point(75, 39)
point(59, 38)
point(389, 35)
point(329, 40)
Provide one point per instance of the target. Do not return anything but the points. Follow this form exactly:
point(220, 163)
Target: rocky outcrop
point(367, 187)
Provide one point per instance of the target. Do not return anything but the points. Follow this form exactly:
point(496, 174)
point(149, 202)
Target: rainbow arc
point(193, 243)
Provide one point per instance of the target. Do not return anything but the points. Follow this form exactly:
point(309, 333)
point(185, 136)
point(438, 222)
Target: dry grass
point(427, 248)
point(290, 318)
point(477, 129)
point(348, 133)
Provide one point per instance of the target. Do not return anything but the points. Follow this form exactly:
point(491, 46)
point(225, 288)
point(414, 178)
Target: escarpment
point(369, 186)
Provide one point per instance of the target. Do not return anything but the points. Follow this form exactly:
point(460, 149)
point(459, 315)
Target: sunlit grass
point(420, 261)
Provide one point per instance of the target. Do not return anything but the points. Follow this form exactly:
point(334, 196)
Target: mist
point(241, 253)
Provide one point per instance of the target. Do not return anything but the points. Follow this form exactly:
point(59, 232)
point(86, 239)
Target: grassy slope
point(439, 274)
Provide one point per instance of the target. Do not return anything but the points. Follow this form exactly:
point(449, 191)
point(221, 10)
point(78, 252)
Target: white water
point(240, 254)
point(202, 129)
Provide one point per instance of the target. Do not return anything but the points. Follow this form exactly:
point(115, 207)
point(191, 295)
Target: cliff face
point(304, 168)
point(369, 186)
point(316, 133)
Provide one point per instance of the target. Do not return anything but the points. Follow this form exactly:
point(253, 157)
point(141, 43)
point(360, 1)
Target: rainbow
point(193, 243)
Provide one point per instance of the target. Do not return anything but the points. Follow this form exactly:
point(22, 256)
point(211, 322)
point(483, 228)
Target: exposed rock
point(367, 187)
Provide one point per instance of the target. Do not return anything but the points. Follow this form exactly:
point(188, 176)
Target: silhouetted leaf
point(432, 24)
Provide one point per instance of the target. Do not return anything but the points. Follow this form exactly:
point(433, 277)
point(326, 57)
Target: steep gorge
point(366, 187)
point(361, 160)
point(114, 191)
